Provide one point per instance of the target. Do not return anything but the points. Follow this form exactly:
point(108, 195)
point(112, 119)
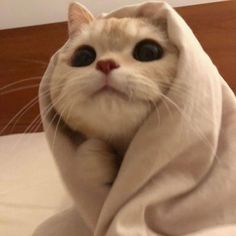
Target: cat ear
point(154, 12)
point(77, 16)
point(160, 22)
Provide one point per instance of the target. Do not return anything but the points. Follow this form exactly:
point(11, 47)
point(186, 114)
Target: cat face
point(111, 73)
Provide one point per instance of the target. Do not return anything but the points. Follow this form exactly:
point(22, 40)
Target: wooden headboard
point(25, 53)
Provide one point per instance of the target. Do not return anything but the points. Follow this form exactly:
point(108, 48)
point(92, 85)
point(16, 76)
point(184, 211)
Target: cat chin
point(107, 118)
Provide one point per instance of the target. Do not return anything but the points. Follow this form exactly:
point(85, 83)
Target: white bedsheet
point(30, 187)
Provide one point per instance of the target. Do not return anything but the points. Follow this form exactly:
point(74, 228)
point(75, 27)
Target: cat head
point(111, 72)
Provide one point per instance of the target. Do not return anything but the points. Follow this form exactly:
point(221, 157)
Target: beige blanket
point(178, 176)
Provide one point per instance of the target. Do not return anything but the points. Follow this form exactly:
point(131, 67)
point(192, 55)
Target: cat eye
point(147, 50)
point(83, 56)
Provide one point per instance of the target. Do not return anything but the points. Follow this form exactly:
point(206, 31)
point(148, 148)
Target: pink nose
point(106, 66)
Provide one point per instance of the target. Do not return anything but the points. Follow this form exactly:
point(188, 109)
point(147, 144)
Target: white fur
point(108, 116)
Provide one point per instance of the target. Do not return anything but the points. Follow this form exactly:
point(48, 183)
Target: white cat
point(107, 80)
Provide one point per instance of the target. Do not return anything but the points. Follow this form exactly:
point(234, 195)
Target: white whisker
point(19, 89)
point(56, 129)
point(188, 120)
point(38, 78)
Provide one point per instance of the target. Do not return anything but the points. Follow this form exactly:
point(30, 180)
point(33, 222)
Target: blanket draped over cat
point(178, 175)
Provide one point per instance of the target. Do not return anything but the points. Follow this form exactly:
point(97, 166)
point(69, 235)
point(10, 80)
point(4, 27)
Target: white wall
point(18, 13)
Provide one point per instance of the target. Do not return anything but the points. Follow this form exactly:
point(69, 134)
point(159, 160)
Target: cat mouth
point(108, 90)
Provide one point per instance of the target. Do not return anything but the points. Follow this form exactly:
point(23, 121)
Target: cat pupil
point(83, 56)
point(147, 50)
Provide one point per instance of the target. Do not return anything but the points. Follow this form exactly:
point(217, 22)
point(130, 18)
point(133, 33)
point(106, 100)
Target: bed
point(30, 187)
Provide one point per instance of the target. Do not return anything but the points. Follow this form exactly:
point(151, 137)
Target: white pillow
point(30, 187)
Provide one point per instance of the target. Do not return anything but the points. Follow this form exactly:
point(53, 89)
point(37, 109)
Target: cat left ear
point(77, 16)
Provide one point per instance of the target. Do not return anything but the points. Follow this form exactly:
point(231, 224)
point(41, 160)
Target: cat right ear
point(77, 16)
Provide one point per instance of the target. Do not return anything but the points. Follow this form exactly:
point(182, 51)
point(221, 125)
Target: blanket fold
point(179, 172)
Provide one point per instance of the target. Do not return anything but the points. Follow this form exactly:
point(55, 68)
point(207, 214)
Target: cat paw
point(97, 162)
